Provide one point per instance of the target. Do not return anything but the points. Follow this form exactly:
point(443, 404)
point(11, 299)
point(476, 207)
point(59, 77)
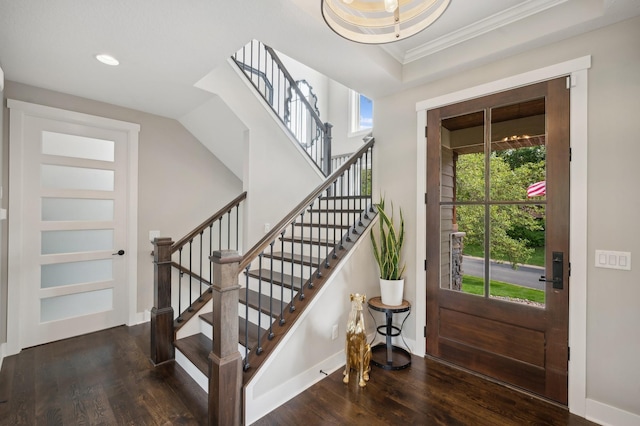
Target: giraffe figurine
point(357, 350)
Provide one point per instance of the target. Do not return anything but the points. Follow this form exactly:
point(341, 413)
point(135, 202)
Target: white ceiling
point(166, 46)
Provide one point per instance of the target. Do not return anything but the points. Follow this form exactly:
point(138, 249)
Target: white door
point(68, 224)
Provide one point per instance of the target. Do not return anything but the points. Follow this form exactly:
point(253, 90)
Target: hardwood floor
point(101, 378)
point(106, 378)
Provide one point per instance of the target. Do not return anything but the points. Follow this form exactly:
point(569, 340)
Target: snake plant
point(387, 250)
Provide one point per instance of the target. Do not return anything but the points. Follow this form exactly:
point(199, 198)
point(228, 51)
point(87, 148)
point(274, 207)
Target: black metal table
point(387, 355)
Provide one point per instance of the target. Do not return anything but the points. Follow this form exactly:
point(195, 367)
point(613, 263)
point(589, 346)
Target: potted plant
point(387, 251)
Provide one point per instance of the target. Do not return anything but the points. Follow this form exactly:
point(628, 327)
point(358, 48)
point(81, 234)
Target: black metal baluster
point(190, 309)
point(246, 320)
point(228, 216)
point(336, 244)
point(282, 278)
point(301, 294)
point(180, 274)
point(210, 253)
point(292, 305)
point(200, 299)
point(271, 334)
point(259, 347)
point(238, 227)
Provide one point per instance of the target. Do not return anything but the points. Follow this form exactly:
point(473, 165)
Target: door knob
point(119, 253)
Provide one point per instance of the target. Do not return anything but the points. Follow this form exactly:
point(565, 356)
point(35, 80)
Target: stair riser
point(254, 316)
point(298, 270)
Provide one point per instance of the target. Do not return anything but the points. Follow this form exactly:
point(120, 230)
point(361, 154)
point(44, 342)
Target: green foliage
point(388, 249)
point(365, 182)
point(505, 220)
point(516, 158)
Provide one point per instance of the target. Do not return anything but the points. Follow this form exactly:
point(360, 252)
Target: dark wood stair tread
point(296, 258)
point(312, 241)
point(196, 348)
point(260, 302)
point(279, 278)
point(254, 331)
point(324, 225)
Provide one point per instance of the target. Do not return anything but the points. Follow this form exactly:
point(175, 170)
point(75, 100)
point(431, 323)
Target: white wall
point(180, 182)
point(613, 342)
point(277, 174)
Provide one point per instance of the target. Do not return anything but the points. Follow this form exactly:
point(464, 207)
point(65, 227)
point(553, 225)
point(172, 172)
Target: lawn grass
point(475, 285)
point(474, 250)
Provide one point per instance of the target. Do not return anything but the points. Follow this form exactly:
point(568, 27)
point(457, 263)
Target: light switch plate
point(613, 259)
point(153, 235)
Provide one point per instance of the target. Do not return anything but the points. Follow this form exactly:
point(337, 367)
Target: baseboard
point(140, 318)
point(607, 415)
point(263, 405)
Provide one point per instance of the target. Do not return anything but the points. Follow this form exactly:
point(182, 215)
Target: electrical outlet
point(267, 227)
point(334, 332)
point(153, 235)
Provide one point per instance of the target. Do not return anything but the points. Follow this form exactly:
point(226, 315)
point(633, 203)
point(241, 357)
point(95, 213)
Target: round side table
point(386, 355)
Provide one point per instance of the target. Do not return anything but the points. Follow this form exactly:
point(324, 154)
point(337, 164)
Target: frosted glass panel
point(75, 305)
point(77, 146)
point(54, 242)
point(64, 177)
point(60, 274)
point(76, 209)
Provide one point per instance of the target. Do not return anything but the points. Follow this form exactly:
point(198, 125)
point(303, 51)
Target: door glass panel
point(469, 239)
point(461, 136)
point(55, 242)
point(59, 209)
point(75, 305)
point(64, 177)
point(517, 253)
point(59, 274)
point(517, 150)
point(77, 146)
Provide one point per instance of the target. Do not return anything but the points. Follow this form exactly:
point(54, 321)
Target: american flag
point(537, 189)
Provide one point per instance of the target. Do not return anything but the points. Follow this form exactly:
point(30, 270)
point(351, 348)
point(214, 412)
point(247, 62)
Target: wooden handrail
point(292, 82)
point(282, 225)
point(191, 235)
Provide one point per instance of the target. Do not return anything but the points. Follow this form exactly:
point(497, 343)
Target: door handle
point(119, 253)
point(557, 269)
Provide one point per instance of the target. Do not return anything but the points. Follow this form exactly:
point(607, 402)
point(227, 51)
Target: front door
point(498, 236)
point(68, 206)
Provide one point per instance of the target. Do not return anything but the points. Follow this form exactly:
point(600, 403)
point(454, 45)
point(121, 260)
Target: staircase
point(278, 278)
point(275, 285)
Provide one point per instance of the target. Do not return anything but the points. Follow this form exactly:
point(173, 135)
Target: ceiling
point(166, 46)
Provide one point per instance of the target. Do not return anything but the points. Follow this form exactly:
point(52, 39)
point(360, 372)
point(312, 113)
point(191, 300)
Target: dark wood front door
point(498, 221)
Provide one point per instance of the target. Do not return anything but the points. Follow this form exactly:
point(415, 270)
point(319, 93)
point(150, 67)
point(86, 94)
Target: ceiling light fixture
point(107, 59)
point(380, 21)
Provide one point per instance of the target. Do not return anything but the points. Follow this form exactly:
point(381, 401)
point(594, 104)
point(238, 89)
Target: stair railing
point(349, 188)
point(183, 273)
point(296, 109)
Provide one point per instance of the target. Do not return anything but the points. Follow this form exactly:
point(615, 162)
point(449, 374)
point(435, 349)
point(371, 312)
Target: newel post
point(225, 361)
point(327, 149)
point(162, 313)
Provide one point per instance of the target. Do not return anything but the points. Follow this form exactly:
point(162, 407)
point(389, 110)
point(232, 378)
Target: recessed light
point(107, 59)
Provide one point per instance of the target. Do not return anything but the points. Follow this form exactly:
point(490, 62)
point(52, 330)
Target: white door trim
point(18, 111)
point(577, 68)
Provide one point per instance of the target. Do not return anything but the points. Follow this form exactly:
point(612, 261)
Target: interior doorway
point(73, 250)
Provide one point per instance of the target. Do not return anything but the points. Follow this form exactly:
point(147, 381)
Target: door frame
point(18, 110)
point(577, 69)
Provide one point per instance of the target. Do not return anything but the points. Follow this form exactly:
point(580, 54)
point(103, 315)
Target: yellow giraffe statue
point(357, 349)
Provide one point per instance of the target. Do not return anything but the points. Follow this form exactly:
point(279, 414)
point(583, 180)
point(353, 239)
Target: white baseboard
point(257, 408)
point(607, 415)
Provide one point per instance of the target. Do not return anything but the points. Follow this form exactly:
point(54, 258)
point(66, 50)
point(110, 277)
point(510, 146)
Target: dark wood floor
point(106, 378)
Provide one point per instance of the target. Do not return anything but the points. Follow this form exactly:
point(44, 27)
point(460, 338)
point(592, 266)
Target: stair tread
point(312, 241)
point(253, 330)
point(196, 348)
point(296, 258)
point(324, 225)
point(279, 278)
point(257, 301)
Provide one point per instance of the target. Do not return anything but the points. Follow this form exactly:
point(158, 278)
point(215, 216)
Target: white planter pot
point(391, 291)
